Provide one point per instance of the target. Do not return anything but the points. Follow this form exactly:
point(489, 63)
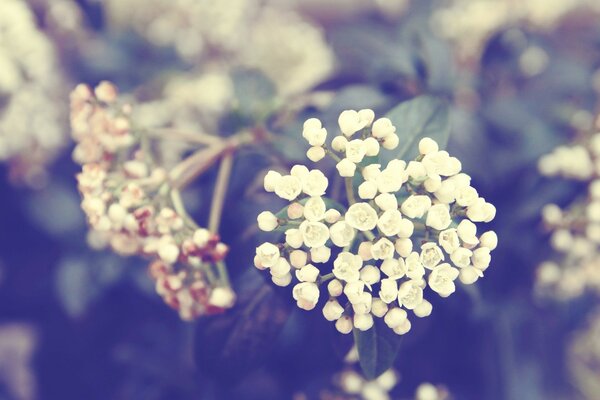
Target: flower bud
point(267, 221)
point(428, 145)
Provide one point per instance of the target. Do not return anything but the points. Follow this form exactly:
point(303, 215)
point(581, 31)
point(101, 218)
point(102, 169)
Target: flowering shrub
point(134, 206)
point(399, 229)
point(575, 230)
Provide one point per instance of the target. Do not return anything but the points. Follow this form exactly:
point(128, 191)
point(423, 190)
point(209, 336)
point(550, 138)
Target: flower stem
point(222, 271)
point(186, 136)
point(220, 189)
point(350, 191)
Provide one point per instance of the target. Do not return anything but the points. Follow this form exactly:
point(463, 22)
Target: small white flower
point(268, 254)
point(288, 187)
point(406, 228)
point(315, 153)
point(366, 116)
point(361, 216)
point(346, 266)
point(441, 279)
point(314, 132)
point(431, 255)
point(281, 268)
point(410, 294)
point(390, 180)
point(332, 216)
point(393, 268)
point(428, 145)
point(362, 304)
point(335, 288)
point(382, 249)
point(415, 206)
point(371, 147)
point(481, 258)
point(308, 273)
point(390, 222)
point(445, 193)
point(470, 275)
point(320, 254)
point(424, 309)
point(489, 239)
point(168, 252)
point(354, 290)
point(350, 122)
point(371, 171)
point(295, 211)
point(306, 295)
point(433, 183)
point(298, 258)
point(341, 234)
point(339, 143)
point(314, 234)
point(314, 183)
point(222, 297)
point(440, 163)
point(344, 325)
point(364, 251)
point(282, 281)
point(466, 196)
point(299, 171)
point(370, 274)
point(363, 322)
point(438, 217)
point(395, 317)
point(480, 211)
point(416, 171)
point(314, 209)
point(388, 291)
point(448, 239)
point(332, 310)
point(201, 237)
point(391, 142)
point(414, 267)
point(386, 201)
point(355, 150)
point(346, 168)
point(403, 246)
point(367, 190)
point(461, 257)
point(382, 128)
point(267, 221)
point(467, 232)
point(293, 237)
point(378, 307)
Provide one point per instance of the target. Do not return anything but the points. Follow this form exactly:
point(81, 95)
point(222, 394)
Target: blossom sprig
point(133, 205)
point(401, 227)
point(574, 229)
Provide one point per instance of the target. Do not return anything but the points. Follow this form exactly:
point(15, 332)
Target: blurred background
point(522, 77)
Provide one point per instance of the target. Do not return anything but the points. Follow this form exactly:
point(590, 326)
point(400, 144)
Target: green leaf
point(423, 116)
point(377, 348)
point(230, 345)
point(254, 93)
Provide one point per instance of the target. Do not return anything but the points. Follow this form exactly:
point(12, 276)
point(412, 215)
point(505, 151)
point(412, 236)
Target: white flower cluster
point(584, 358)
point(32, 121)
point(353, 383)
point(575, 230)
point(130, 207)
point(412, 227)
point(286, 47)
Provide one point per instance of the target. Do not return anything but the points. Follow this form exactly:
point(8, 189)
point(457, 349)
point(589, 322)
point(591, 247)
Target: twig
point(220, 189)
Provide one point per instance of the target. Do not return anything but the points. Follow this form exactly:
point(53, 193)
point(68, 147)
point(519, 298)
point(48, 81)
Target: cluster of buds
point(575, 230)
point(131, 206)
point(412, 227)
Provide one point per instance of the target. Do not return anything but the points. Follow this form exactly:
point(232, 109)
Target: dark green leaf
point(423, 116)
point(230, 345)
point(377, 348)
point(254, 93)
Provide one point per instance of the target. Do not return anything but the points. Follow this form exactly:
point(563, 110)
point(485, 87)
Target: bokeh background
point(521, 76)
